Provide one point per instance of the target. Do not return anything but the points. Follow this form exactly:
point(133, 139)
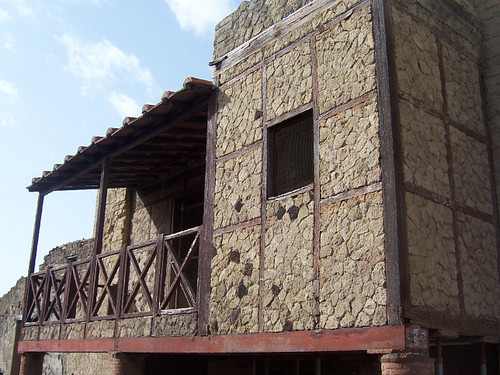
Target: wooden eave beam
point(128, 146)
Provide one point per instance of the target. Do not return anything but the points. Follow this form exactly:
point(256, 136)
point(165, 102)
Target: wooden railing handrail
point(55, 298)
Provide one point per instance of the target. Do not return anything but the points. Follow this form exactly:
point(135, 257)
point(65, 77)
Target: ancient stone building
point(328, 204)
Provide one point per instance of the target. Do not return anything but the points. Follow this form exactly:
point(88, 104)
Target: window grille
point(290, 154)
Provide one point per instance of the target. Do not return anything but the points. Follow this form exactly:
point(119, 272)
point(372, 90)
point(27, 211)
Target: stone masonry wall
point(117, 219)
point(272, 270)
point(251, 18)
point(489, 14)
point(449, 199)
point(11, 305)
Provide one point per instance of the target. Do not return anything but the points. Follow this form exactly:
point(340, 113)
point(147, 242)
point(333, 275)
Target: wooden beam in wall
point(393, 194)
point(370, 339)
point(206, 253)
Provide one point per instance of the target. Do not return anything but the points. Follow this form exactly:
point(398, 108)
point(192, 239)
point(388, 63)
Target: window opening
point(290, 154)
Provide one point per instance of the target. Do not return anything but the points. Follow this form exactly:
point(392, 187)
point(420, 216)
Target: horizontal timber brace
point(370, 339)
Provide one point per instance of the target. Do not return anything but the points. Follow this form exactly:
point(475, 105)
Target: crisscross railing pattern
point(136, 280)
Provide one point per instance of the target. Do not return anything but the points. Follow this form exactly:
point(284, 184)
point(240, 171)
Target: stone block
point(134, 327)
point(288, 293)
point(417, 60)
point(238, 185)
point(289, 81)
point(50, 332)
point(30, 333)
point(73, 331)
point(424, 148)
point(478, 256)
point(463, 91)
point(432, 259)
point(175, 325)
point(352, 263)
point(116, 222)
point(471, 172)
point(349, 150)
point(234, 297)
point(101, 329)
point(346, 60)
point(239, 117)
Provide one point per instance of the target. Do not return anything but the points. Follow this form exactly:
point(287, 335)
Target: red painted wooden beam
point(352, 339)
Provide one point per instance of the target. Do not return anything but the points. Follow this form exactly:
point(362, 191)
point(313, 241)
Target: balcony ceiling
point(159, 143)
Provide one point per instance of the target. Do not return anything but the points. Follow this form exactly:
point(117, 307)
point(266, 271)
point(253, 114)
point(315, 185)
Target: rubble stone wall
point(489, 15)
point(117, 219)
point(272, 270)
point(251, 18)
point(77, 363)
point(352, 264)
point(452, 256)
point(11, 305)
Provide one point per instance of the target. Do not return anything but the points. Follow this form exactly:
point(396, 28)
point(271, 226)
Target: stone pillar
point(407, 364)
point(31, 364)
point(128, 364)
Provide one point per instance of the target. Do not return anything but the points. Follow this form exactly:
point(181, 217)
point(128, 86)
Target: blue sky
point(69, 69)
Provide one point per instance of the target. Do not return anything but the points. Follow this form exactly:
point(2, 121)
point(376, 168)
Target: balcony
point(160, 156)
point(153, 278)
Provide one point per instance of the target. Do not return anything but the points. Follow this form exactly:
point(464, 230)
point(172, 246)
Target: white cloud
point(200, 15)
point(8, 94)
point(124, 105)
point(8, 89)
point(7, 120)
point(4, 16)
point(8, 43)
point(103, 61)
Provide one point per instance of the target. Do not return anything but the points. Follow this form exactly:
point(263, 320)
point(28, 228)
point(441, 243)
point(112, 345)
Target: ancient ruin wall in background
point(275, 81)
point(449, 202)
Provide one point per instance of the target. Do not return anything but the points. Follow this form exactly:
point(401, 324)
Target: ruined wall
point(59, 255)
point(11, 305)
point(450, 218)
point(273, 269)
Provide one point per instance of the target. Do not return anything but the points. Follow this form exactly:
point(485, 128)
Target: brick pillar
point(415, 360)
point(128, 364)
point(31, 364)
point(407, 364)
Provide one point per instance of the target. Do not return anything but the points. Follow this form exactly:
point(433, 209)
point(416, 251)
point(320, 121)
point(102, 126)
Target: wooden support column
point(34, 248)
point(483, 369)
point(317, 366)
point(392, 174)
point(101, 207)
point(205, 249)
point(98, 237)
point(439, 359)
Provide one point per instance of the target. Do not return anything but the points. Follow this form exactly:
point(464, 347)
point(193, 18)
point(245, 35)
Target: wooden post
point(439, 359)
point(392, 173)
point(317, 366)
point(101, 208)
point(98, 237)
point(34, 247)
point(483, 368)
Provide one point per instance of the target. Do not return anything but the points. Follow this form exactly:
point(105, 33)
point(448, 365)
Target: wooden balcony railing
point(138, 280)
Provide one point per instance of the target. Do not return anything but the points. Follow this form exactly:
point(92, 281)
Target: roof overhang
point(158, 143)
